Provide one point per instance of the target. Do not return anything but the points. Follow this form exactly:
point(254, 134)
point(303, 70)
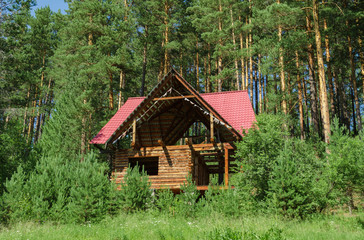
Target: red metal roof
point(119, 117)
point(233, 106)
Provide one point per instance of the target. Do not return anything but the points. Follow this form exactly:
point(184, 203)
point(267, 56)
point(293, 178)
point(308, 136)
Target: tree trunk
point(197, 67)
point(209, 69)
point(353, 82)
point(83, 120)
point(166, 35)
point(321, 70)
point(311, 75)
point(145, 52)
point(219, 58)
point(281, 69)
point(31, 120)
point(250, 54)
point(181, 62)
point(37, 129)
point(361, 56)
point(260, 90)
point(26, 112)
point(111, 92)
point(300, 101)
point(329, 71)
point(343, 102)
point(243, 79)
point(234, 47)
point(121, 89)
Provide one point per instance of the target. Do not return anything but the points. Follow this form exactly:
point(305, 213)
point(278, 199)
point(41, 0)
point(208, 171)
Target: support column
point(226, 167)
point(211, 128)
point(134, 133)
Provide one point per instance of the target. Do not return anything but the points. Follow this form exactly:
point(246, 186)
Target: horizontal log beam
point(173, 98)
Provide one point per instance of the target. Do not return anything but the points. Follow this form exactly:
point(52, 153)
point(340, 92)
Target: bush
point(298, 184)
point(59, 190)
point(135, 190)
point(187, 200)
point(287, 174)
point(345, 157)
point(222, 201)
point(258, 150)
point(165, 201)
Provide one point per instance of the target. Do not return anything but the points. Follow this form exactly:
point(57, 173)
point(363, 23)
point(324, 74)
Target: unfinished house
point(176, 131)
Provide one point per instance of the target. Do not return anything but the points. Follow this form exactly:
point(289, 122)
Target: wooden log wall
point(175, 163)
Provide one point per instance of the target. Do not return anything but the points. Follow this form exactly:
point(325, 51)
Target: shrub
point(298, 184)
point(345, 157)
point(287, 174)
point(59, 190)
point(135, 190)
point(222, 201)
point(258, 150)
point(187, 199)
point(165, 201)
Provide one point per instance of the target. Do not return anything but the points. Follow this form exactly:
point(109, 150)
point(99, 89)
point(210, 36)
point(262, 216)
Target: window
point(150, 164)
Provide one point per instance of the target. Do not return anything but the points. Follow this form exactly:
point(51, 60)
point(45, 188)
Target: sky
point(53, 4)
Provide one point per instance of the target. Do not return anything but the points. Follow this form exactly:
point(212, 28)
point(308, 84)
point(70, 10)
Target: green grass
point(154, 226)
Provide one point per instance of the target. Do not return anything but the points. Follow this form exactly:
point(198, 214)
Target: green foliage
point(187, 200)
point(298, 185)
point(135, 189)
point(166, 201)
point(59, 190)
point(346, 160)
point(14, 151)
point(224, 234)
point(218, 200)
point(284, 173)
point(273, 233)
point(258, 151)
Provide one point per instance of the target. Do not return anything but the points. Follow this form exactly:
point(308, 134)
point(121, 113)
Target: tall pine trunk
point(219, 58)
point(145, 52)
point(353, 82)
point(197, 67)
point(329, 71)
point(234, 47)
point(361, 56)
point(321, 71)
point(312, 80)
point(281, 70)
point(243, 79)
point(300, 101)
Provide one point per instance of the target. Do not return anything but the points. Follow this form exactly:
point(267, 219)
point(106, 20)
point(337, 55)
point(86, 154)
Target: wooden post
point(226, 167)
point(211, 128)
point(161, 143)
point(134, 133)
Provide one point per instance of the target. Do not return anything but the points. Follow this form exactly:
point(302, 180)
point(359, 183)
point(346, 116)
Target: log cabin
point(175, 131)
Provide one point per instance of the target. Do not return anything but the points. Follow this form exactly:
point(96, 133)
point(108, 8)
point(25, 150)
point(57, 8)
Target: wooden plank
point(211, 127)
point(226, 167)
point(134, 132)
point(173, 98)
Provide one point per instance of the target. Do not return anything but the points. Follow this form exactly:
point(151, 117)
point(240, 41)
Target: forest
point(63, 76)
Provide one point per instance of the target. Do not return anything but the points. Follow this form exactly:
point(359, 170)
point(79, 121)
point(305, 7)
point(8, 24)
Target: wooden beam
point(188, 141)
point(211, 128)
point(160, 142)
point(173, 98)
point(134, 132)
point(226, 166)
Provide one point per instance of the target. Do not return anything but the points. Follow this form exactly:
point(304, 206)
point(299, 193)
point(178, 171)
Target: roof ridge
point(225, 92)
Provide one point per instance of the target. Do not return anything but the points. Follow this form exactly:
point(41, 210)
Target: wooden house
point(176, 131)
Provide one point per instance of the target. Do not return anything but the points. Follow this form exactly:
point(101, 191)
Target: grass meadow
point(155, 226)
